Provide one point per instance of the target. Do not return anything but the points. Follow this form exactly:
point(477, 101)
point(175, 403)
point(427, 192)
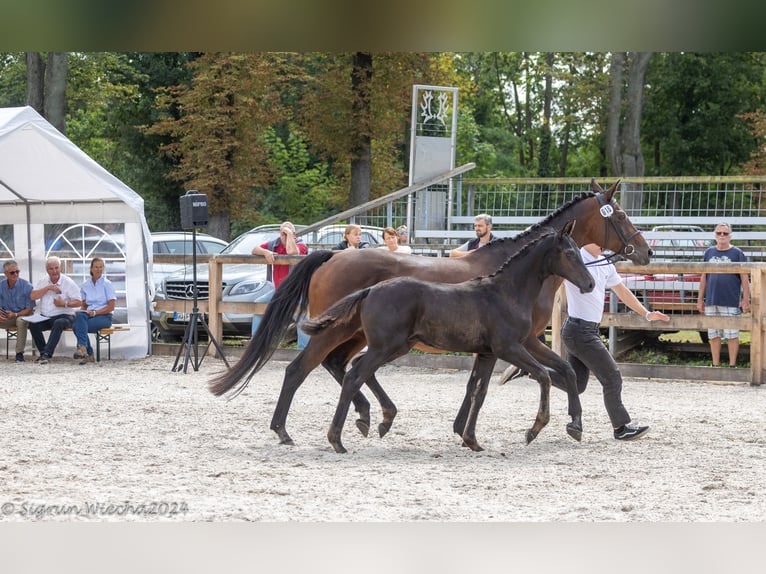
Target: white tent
point(55, 199)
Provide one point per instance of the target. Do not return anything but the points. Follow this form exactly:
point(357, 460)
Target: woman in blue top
point(98, 300)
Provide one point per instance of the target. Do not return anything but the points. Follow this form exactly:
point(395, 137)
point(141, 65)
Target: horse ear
point(568, 228)
point(595, 186)
point(609, 193)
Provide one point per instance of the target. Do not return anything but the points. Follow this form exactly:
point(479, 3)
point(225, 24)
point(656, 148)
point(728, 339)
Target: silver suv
point(180, 243)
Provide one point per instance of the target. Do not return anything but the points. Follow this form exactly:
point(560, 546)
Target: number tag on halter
point(606, 210)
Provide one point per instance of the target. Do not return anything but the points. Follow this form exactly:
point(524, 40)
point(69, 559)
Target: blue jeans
point(84, 325)
point(303, 338)
point(56, 326)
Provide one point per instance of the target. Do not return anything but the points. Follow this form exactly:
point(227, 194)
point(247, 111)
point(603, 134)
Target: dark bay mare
point(490, 316)
point(324, 277)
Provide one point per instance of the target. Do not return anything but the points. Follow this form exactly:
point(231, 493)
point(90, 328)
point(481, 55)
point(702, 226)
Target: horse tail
point(292, 293)
point(344, 311)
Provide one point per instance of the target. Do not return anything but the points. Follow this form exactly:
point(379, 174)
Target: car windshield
point(243, 245)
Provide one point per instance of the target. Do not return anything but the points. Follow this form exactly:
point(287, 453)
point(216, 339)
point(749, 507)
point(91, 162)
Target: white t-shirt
point(590, 306)
point(69, 291)
point(401, 249)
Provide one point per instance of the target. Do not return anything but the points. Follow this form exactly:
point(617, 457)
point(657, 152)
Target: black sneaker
point(630, 432)
point(19, 357)
point(43, 359)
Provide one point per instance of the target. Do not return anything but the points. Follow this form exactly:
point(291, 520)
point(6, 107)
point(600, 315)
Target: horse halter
point(607, 211)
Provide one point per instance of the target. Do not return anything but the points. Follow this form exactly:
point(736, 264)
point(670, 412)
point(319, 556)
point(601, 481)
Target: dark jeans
point(588, 354)
point(56, 326)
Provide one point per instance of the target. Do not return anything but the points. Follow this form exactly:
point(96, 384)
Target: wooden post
point(757, 339)
point(215, 295)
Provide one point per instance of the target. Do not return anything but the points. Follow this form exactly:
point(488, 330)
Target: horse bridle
point(607, 211)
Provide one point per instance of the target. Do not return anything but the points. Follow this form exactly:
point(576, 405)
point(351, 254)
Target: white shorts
point(719, 311)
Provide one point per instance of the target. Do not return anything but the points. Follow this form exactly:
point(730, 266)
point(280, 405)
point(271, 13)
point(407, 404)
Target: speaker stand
point(191, 336)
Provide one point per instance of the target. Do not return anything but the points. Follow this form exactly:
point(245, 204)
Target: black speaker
point(193, 210)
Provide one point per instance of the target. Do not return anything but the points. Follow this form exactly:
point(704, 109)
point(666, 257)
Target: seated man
point(15, 303)
point(59, 297)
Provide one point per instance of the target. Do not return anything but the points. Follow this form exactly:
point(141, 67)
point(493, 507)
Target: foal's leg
point(317, 350)
point(483, 366)
point(387, 407)
point(518, 355)
point(562, 377)
point(335, 363)
point(360, 371)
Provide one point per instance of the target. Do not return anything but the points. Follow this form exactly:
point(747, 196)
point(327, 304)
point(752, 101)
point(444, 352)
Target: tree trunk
point(361, 157)
point(55, 90)
point(35, 77)
point(614, 113)
point(623, 142)
point(219, 225)
point(544, 163)
point(632, 158)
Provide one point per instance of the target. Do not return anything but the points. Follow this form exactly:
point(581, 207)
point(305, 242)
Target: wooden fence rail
point(752, 322)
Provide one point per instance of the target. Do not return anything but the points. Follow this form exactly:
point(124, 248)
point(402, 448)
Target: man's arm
point(265, 253)
point(461, 251)
point(627, 297)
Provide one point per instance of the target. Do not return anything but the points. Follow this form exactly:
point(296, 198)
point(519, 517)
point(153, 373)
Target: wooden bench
point(102, 336)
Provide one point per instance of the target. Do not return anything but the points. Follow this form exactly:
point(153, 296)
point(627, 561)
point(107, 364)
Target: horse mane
point(545, 222)
point(520, 253)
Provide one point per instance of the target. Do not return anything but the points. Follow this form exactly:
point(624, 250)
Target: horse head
point(566, 261)
point(619, 233)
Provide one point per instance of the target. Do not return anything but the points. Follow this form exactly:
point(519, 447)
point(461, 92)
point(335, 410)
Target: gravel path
point(133, 441)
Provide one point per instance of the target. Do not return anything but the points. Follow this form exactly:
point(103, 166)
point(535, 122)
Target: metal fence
point(441, 216)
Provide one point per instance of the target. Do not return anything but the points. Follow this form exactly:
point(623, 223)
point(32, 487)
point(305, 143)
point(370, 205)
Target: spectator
point(724, 294)
point(352, 239)
point(482, 225)
point(582, 338)
point(403, 235)
point(286, 244)
point(390, 238)
point(98, 300)
point(15, 302)
point(59, 297)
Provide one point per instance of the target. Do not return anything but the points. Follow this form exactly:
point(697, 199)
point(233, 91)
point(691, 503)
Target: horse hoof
point(363, 426)
point(531, 435)
point(574, 431)
point(339, 448)
point(383, 429)
point(284, 438)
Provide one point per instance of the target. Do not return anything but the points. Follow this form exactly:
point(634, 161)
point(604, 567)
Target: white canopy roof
point(46, 184)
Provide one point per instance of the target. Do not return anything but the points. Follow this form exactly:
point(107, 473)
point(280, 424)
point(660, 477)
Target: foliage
point(692, 122)
point(269, 136)
point(756, 165)
point(303, 191)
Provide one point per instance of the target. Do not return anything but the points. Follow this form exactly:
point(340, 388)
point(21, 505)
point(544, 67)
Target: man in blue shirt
point(724, 294)
point(15, 302)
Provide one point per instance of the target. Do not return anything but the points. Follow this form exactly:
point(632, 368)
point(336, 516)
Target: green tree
point(693, 123)
point(217, 135)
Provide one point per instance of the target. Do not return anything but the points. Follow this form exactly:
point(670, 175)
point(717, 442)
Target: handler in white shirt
point(586, 350)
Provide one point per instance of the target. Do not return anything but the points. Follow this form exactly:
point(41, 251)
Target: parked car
point(330, 235)
point(670, 248)
point(180, 243)
point(244, 282)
